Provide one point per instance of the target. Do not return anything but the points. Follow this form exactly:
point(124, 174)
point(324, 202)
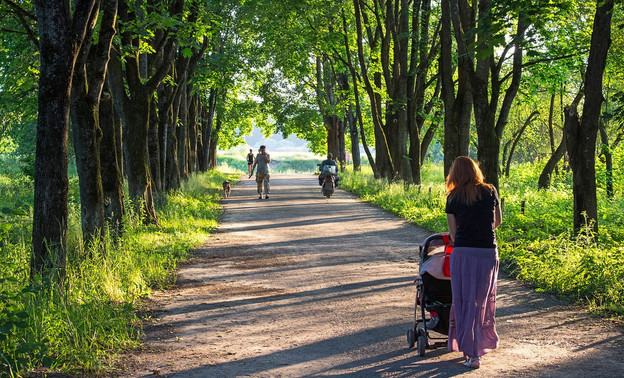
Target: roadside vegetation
point(536, 244)
point(80, 325)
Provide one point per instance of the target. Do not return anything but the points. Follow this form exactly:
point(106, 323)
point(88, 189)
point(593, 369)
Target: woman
point(250, 161)
point(473, 212)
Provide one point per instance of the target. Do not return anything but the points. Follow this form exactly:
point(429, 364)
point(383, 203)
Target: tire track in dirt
point(300, 285)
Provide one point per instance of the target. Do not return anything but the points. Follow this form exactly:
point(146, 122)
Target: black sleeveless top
point(475, 223)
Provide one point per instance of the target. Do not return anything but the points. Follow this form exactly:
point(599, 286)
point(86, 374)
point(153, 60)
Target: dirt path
point(299, 285)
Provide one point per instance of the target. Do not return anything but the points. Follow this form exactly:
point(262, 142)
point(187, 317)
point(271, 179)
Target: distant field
point(300, 163)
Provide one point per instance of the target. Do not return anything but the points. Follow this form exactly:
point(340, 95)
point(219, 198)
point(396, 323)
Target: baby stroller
point(433, 294)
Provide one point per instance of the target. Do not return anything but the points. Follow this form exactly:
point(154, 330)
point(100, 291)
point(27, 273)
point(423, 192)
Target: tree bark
point(486, 84)
point(355, 140)
point(457, 106)
point(192, 160)
point(112, 181)
point(551, 132)
point(182, 134)
point(153, 148)
point(214, 142)
point(384, 162)
point(135, 104)
point(356, 95)
point(87, 85)
point(207, 122)
point(605, 150)
point(60, 40)
point(581, 136)
point(396, 78)
point(428, 138)
point(172, 178)
point(327, 103)
point(136, 151)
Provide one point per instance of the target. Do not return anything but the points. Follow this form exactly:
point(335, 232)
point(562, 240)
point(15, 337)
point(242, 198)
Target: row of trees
point(151, 88)
point(399, 69)
point(144, 86)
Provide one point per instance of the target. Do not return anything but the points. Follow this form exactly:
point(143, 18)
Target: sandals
point(472, 362)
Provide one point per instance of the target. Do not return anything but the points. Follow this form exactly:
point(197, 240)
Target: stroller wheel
point(411, 338)
point(421, 342)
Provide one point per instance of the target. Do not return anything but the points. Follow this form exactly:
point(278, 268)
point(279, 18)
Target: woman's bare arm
point(452, 224)
point(498, 216)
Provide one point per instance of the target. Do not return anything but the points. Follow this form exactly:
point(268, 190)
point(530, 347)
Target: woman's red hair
point(465, 181)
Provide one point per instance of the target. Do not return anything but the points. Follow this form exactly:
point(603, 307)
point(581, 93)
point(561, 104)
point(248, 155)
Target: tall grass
point(536, 246)
point(77, 327)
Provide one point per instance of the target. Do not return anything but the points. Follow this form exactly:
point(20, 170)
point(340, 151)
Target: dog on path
point(226, 188)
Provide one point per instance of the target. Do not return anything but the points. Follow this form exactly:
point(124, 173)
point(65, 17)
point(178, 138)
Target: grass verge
point(76, 328)
point(535, 244)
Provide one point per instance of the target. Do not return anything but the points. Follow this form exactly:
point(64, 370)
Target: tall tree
point(62, 29)
point(581, 136)
point(87, 85)
point(134, 103)
point(457, 102)
point(485, 74)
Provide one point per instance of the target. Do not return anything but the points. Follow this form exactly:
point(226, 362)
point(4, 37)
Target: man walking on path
point(262, 174)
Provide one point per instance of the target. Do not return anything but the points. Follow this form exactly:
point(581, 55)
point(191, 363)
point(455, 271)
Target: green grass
point(81, 326)
point(536, 246)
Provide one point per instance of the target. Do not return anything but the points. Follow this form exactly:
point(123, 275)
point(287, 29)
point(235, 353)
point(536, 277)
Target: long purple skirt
point(472, 328)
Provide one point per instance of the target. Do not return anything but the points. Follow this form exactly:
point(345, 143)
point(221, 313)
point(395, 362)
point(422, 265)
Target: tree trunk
point(202, 114)
point(214, 142)
point(355, 141)
point(172, 178)
point(605, 150)
point(428, 138)
point(135, 104)
point(135, 138)
point(182, 135)
point(327, 103)
point(86, 132)
point(396, 78)
point(383, 164)
point(192, 160)
point(486, 84)
point(88, 82)
point(457, 106)
point(356, 95)
point(551, 132)
point(207, 121)
point(112, 182)
point(581, 137)
point(60, 39)
point(545, 177)
point(153, 148)
point(165, 97)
